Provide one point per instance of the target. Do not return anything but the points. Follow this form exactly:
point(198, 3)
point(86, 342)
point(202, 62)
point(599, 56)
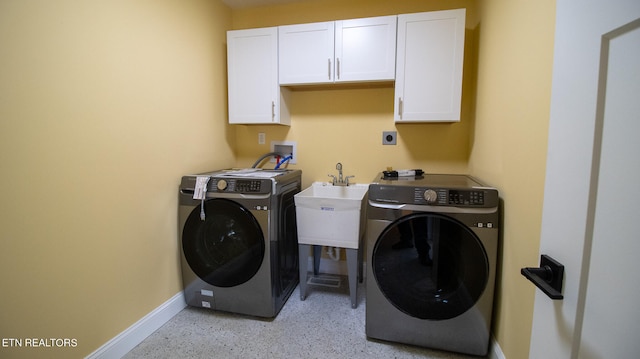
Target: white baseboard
point(140, 330)
point(495, 351)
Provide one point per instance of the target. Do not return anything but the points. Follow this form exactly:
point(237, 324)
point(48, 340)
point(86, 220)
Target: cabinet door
point(252, 70)
point(429, 66)
point(366, 49)
point(306, 53)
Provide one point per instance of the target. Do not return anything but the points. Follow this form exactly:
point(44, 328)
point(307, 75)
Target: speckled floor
point(323, 326)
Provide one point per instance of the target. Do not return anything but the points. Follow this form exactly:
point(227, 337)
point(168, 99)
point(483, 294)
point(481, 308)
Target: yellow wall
point(103, 107)
point(510, 145)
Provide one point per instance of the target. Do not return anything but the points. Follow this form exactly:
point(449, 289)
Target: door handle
point(548, 277)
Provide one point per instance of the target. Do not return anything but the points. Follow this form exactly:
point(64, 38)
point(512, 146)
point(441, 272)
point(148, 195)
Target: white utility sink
point(329, 215)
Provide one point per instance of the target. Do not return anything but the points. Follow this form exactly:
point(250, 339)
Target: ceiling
point(249, 3)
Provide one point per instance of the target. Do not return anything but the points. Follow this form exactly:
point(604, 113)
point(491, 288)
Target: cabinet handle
point(338, 68)
point(329, 68)
point(273, 110)
point(400, 107)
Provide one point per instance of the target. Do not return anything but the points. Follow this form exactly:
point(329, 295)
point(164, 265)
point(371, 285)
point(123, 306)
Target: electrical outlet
point(286, 148)
point(261, 138)
point(389, 137)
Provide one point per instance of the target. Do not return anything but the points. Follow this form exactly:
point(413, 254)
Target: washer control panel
point(233, 185)
point(248, 185)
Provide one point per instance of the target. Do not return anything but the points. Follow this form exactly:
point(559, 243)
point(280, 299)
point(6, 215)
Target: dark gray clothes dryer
point(432, 243)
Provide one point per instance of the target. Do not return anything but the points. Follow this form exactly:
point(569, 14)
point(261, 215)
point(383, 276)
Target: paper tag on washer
point(200, 192)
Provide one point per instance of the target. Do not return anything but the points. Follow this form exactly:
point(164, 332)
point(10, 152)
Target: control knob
point(430, 196)
point(222, 185)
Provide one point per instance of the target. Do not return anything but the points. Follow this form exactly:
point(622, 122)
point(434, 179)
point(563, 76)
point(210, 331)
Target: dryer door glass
point(227, 248)
point(430, 266)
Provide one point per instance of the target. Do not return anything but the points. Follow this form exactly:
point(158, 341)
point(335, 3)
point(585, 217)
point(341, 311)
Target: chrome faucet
point(340, 181)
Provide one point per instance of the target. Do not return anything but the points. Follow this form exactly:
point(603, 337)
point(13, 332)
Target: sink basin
point(330, 215)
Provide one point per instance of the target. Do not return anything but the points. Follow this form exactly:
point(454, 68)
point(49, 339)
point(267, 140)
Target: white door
point(592, 190)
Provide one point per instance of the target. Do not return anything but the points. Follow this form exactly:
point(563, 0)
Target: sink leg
point(352, 268)
point(360, 260)
point(317, 254)
point(303, 253)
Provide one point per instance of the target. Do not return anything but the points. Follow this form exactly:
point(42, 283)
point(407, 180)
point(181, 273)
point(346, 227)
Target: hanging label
point(200, 192)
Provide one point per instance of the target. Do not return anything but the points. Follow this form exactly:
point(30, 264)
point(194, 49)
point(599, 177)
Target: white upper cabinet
point(365, 49)
point(422, 52)
point(340, 51)
point(254, 94)
point(430, 55)
point(306, 53)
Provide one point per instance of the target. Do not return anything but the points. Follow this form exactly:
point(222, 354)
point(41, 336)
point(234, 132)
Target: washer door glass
point(227, 248)
point(430, 266)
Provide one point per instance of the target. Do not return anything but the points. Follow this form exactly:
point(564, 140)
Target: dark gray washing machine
point(239, 245)
point(432, 244)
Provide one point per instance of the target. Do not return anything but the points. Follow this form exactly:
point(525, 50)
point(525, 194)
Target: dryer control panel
point(440, 196)
point(434, 190)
